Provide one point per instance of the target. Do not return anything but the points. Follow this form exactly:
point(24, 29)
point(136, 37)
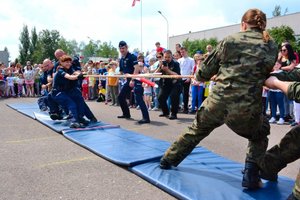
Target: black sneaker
point(163, 115)
point(75, 125)
point(144, 121)
point(164, 164)
point(83, 121)
point(56, 116)
point(173, 117)
point(124, 117)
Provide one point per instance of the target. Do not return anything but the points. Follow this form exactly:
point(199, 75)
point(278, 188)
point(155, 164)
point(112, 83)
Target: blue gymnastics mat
point(118, 145)
point(23, 106)
point(27, 109)
point(60, 125)
point(204, 175)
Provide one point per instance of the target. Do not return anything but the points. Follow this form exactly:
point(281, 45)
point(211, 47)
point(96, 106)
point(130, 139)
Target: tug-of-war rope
point(140, 76)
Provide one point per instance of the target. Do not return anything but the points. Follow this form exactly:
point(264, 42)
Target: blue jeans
point(197, 94)
point(276, 99)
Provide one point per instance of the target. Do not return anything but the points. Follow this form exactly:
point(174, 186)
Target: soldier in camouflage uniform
point(288, 150)
point(241, 63)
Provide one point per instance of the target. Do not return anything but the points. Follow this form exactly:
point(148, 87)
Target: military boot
point(164, 164)
point(251, 178)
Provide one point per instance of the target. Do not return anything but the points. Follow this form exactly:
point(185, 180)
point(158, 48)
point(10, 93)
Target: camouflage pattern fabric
point(241, 62)
point(288, 150)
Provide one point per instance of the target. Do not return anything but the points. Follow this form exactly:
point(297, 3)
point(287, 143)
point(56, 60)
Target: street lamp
point(167, 28)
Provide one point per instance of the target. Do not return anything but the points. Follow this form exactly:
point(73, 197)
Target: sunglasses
point(283, 50)
point(158, 57)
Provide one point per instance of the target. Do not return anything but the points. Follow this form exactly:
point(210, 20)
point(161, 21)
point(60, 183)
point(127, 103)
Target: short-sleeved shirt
point(60, 83)
point(173, 66)
point(127, 63)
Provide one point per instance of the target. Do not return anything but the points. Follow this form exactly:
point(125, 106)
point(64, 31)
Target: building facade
point(4, 57)
point(221, 32)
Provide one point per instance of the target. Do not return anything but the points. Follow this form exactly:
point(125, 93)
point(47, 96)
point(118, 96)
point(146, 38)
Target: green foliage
point(25, 45)
point(106, 50)
point(196, 45)
point(283, 34)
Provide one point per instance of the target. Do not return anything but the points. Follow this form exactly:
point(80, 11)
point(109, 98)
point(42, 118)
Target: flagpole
point(141, 2)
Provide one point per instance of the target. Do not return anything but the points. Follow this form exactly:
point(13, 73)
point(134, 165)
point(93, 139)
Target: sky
point(115, 20)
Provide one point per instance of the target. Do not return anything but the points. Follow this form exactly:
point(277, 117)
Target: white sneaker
point(280, 121)
point(149, 109)
point(155, 109)
point(272, 120)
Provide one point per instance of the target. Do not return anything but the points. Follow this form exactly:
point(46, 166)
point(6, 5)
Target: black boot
point(164, 164)
point(251, 178)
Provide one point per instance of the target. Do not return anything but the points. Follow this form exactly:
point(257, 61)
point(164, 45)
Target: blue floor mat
point(60, 125)
point(23, 106)
point(205, 175)
point(119, 146)
point(27, 109)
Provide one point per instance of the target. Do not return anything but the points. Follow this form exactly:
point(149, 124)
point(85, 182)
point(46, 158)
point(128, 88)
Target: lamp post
point(167, 28)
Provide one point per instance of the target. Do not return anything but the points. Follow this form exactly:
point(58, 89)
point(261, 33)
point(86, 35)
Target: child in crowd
point(91, 85)
point(20, 82)
point(147, 95)
point(85, 88)
point(113, 83)
point(29, 74)
point(10, 85)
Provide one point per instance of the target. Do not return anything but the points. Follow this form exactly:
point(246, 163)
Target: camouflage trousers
point(287, 151)
point(247, 121)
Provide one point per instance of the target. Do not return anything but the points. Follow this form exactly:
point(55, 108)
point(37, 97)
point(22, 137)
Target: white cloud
point(115, 20)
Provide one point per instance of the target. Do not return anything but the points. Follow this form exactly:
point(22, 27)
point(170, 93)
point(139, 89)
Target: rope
point(140, 76)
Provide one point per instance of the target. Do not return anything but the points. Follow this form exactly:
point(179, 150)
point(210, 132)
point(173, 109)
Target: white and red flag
point(133, 3)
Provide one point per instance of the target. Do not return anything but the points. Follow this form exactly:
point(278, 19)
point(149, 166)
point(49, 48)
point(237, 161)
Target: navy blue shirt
point(43, 79)
point(60, 83)
point(175, 67)
point(127, 63)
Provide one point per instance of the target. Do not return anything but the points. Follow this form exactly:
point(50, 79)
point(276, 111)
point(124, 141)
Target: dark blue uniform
point(170, 87)
point(127, 67)
point(139, 92)
point(66, 93)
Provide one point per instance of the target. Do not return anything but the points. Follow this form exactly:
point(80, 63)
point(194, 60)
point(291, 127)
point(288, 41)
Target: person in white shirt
point(186, 68)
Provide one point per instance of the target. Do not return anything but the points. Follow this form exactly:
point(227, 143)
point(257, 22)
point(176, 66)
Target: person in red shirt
point(159, 48)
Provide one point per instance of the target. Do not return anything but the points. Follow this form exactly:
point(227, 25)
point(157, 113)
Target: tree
point(49, 41)
point(33, 45)
point(106, 50)
point(282, 34)
point(25, 45)
point(196, 45)
point(277, 11)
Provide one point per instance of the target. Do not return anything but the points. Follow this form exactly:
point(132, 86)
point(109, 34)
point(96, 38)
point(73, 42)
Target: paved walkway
point(38, 163)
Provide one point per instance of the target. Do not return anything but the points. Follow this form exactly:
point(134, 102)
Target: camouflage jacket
point(241, 63)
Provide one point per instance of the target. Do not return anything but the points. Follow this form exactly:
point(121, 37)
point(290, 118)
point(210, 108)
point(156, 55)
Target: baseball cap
point(122, 44)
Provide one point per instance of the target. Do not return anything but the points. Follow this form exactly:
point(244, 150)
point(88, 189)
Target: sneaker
point(172, 117)
point(75, 125)
point(149, 109)
point(138, 108)
point(144, 121)
point(155, 109)
point(123, 116)
point(280, 121)
point(294, 124)
point(272, 120)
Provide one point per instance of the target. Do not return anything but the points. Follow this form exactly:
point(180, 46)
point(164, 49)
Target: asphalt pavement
point(38, 163)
